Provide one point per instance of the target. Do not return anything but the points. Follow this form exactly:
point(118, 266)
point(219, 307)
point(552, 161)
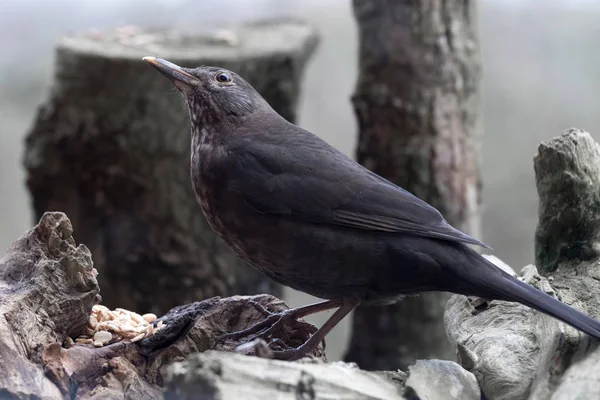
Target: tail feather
point(502, 286)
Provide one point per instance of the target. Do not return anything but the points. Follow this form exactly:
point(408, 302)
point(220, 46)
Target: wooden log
point(231, 376)
point(417, 105)
point(48, 289)
point(515, 352)
point(49, 296)
point(111, 148)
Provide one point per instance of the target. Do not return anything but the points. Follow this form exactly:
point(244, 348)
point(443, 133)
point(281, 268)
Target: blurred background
point(540, 77)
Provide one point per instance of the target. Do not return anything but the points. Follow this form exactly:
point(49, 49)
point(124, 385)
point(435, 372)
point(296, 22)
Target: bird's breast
point(206, 199)
point(224, 210)
point(205, 184)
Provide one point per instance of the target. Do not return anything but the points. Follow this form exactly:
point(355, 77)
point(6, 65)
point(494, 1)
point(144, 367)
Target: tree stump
point(417, 106)
point(518, 353)
point(111, 149)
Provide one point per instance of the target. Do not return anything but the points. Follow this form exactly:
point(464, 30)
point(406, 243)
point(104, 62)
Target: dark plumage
point(312, 219)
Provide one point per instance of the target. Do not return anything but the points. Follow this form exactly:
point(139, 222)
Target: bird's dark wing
point(315, 183)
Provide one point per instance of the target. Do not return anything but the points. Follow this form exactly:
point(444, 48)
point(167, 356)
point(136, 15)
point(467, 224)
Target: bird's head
point(215, 96)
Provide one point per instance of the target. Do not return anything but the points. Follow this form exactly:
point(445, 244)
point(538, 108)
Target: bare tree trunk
point(111, 149)
point(417, 105)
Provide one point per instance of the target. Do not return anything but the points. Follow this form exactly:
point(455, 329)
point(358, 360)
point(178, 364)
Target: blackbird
point(311, 218)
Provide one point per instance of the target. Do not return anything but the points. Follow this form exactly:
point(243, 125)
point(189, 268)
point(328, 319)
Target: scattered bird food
point(107, 327)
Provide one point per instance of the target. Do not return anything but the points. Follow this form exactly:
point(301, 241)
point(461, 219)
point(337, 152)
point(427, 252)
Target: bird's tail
point(497, 284)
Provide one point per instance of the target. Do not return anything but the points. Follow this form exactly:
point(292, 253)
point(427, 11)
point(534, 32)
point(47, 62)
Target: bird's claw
point(262, 329)
point(287, 355)
point(263, 350)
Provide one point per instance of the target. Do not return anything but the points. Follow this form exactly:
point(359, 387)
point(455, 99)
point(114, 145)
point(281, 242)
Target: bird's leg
point(275, 320)
point(296, 313)
point(270, 319)
point(318, 336)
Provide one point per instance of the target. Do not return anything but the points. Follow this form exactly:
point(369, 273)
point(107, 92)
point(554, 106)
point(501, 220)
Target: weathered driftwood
point(47, 289)
point(568, 178)
point(232, 376)
point(111, 149)
point(515, 352)
point(441, 379)
point(417, 107)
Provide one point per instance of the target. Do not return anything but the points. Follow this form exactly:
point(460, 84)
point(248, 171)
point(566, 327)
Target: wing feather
point(330, 188)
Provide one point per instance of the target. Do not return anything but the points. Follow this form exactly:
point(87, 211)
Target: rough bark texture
point(48, 287)
point(515, 352)
point(568, 232)
point(416, 103)
point(111, 148)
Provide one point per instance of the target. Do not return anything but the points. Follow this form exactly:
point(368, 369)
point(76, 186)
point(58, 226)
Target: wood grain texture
point(48, 287)
point(567, 175)
point(231, 376)
point(515, 352)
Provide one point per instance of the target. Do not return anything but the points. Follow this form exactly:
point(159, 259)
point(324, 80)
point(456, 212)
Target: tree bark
point(111, 149)
point(417, 106)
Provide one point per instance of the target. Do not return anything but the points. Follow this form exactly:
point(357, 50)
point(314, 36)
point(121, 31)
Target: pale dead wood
point(515, 352)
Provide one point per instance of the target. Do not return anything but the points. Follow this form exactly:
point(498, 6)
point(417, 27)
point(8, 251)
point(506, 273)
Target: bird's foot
point(264, 332)
point(293, 354)
point(268, 326)
point(262, 349)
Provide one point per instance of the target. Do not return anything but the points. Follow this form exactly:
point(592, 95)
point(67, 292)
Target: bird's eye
point(223, 77)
